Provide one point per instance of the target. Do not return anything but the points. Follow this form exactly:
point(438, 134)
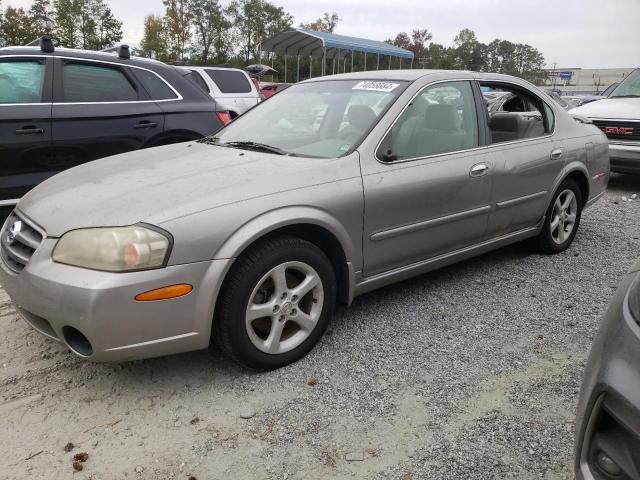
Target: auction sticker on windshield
point(376, 86)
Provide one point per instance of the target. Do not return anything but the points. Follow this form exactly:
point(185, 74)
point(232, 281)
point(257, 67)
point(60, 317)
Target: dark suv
point(60, 108)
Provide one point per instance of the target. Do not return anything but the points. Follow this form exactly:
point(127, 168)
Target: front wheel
point(276, 303)
point(562, 220)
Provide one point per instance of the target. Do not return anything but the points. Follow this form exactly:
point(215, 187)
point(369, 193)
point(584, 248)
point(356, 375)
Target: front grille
point(18, 241)
point(629, 131)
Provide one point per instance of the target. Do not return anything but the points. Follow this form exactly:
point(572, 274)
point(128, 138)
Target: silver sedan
point(335, 187)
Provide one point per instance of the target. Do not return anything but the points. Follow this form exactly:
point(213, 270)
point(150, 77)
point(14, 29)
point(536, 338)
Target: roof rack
point(44, 42)
point(122, 51)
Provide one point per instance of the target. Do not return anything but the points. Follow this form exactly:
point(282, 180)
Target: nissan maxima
point(608, 424)
point(249, 237)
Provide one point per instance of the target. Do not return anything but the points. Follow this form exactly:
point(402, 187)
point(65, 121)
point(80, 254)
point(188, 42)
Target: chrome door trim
point(366, 284)
point(414, 227)
point(180, 97)
point(517, 201)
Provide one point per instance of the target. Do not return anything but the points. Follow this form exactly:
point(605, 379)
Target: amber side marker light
point(165, 293)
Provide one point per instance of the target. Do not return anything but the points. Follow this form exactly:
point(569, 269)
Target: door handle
point(479, 169)
point(30, 130)
point(145, 124)
point(556, 154)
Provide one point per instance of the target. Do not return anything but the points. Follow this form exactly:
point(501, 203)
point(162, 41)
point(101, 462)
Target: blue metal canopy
point(303, 42)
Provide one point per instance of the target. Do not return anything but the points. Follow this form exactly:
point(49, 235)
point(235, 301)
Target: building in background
point(583, 80)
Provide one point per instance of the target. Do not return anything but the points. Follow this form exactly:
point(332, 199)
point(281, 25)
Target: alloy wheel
point(284, 307)
point(565, 210)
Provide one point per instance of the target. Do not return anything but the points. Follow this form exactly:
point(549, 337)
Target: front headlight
point(113, 249)
point(634, 298)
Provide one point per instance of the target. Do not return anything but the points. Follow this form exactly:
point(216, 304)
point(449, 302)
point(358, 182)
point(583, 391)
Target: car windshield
point(629, 87)
point(324, 119)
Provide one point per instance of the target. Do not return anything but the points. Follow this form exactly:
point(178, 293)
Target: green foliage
point(154, 42)
point(86, 24)
point(255, 21)
point(178, 22)
point(42, 17)
point(212, 27)
point(468, 53)
point(16, 27)
point(327, 23)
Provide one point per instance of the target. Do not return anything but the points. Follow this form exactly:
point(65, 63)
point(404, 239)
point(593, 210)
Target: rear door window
point(21, 81)
point(230, 81)
point(87, 82)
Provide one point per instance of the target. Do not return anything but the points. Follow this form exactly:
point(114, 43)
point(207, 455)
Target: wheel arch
point(172, 136)
point(316, 226)
point(578, 173)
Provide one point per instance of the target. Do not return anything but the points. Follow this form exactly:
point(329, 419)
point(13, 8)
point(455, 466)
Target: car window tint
point(442, 118)
point(515, 115)
point(83, 82)
point(157, 88)
point(229, 81)
point(21, 81)
point(198, 80)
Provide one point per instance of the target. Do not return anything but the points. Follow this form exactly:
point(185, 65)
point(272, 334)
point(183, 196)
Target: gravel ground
point(469, 372)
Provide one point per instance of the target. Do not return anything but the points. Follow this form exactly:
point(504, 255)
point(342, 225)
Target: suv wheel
point(276, 303)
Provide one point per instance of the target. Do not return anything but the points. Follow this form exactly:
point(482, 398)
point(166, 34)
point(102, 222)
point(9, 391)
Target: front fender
point(273, 220)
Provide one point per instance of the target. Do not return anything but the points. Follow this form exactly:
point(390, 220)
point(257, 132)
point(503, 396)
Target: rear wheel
point(276, 303)
point(562, 220)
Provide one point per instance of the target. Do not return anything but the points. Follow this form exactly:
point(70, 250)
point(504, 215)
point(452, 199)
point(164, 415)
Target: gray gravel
point(469, 372)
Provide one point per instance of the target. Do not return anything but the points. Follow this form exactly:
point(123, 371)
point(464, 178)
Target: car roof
point(413, 75)
point(78, 53)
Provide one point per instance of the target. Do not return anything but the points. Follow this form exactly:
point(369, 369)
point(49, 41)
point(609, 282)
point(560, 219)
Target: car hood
point(614, 108)
point(159, 184)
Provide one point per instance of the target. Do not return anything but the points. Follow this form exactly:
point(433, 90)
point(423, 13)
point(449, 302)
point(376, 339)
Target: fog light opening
point(77, 341)
point(607, 465)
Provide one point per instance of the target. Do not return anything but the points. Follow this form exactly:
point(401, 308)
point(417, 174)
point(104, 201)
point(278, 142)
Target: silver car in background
point(333, 188)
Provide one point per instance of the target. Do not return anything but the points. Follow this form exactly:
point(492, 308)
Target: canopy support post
point(298, 69)
point(389, 62)
point(351, 60)
point(310, 66)
point(378, 64)
point(400, 63)
point(365, 61)
point(411, 63)
point(324, 61)
point(285, 68)
point(339, 52)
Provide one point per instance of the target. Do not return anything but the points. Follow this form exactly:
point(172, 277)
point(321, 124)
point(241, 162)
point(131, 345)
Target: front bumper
point(608, 419)
point(625, 157)
point(57, 299)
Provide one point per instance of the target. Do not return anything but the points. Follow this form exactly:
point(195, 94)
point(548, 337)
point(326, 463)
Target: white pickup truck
point(618, 116)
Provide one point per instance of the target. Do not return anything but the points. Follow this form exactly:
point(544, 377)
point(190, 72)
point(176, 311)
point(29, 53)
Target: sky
point(570, 33)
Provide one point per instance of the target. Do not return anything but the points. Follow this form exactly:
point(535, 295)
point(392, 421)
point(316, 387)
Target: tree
point(255, 21)
point(42, 17)
point(178, 21)
point(469, 52)
point(211, 29)
point(17, 28)
point(154, 40)
point(108, 29)
point(1, 25)
point(326, 23)
point(416, 43)
point(67, 32)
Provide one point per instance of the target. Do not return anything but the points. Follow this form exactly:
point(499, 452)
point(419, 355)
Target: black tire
point(545, 242)
point(230, 331)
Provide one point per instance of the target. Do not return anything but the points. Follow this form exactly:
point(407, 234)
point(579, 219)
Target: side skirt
point(366, 284)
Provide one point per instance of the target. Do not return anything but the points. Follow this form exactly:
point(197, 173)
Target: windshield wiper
point(209, 140)
point(625, 96)
point(260, 147)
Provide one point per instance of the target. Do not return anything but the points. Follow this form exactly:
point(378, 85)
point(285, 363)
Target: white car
point(232, 88)
point(618, 116)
